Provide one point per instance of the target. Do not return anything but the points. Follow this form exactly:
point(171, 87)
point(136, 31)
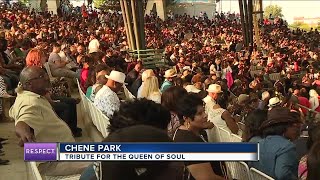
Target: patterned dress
point(2, 92)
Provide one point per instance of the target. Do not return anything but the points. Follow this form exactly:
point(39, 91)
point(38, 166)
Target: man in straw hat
point(106, 99)
point(210, 99)
point(169, 75)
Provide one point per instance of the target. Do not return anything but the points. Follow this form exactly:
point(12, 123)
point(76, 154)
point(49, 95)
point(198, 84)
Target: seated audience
point(141, 170)
point(252, 123)
point(151, 90)
point(140, 82)
point(168, 82)
point(57, 65)
point(278, 156)
point(101, 70)
point(193, 120)
point(169, 101)
point(221, 117)
point(313, 162)
point(35, 120)
point(64, 106)
point(314, 136)
point(106, 99)
point(132, 113)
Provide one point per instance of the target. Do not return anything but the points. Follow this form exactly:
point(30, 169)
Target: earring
point(188, 125)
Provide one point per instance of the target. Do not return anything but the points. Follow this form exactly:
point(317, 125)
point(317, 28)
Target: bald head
point(28, 73)
point(34, 79)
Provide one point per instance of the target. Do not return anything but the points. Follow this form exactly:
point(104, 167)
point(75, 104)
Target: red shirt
point(304, 102)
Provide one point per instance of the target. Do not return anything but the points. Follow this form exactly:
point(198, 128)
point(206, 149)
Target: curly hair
point(140, 111)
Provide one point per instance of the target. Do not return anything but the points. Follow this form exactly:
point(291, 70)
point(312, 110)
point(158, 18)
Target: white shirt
point(209, 104)
point(107, 101)
point(215, 116)
point(314, 102)
point(94, 46)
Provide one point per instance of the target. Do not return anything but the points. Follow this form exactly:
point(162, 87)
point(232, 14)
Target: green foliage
point(24, 2)
point(275, 10)
point(98, 3)
point(303, 26)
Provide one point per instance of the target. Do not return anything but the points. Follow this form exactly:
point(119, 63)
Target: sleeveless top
point(218, 167)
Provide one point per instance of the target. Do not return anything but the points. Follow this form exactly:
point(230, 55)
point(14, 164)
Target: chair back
point(225, 136)
point(258, 175)
point(235, 138)
point(239, 170)
point(33, 171)
point(47, 67)
point(213, 134)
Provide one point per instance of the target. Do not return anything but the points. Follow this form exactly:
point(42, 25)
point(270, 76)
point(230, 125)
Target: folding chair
point(103, 120)
point(258, 175)
point(240, 171)
point(47, 67)
point(213, 134)
point(33, 171)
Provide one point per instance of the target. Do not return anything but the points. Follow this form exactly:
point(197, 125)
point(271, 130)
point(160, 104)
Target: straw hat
point(214, 88)
point(117, 76)
point(275, 101)
point(170, 73)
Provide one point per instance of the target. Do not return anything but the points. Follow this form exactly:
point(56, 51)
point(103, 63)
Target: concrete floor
point(17, 169)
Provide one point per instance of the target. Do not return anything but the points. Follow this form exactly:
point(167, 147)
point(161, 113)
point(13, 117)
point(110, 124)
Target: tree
point(274, 10)
point(24, 2)
point(98, 3)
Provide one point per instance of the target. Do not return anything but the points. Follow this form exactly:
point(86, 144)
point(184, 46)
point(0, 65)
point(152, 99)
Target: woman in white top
point(151, 90)
point(314, 100)
point(222, 118)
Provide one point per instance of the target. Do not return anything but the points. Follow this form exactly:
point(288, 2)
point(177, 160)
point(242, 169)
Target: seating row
point(98, 119)
point(236, 170)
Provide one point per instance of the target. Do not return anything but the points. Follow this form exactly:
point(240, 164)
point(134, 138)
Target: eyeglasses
point(39, 77)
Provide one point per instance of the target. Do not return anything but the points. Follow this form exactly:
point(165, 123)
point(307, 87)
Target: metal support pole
point(244, 31)
point(125, 23)
point(246, 20)
point(250, 20)
point(140, 20)
point(261, 10)
point(133, 5)
point(126, 8)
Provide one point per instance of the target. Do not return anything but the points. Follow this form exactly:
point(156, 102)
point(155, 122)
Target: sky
point(290, 9)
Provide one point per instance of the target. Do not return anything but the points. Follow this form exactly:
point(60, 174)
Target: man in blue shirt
point(169, 75)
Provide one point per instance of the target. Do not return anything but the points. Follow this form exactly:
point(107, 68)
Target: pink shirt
point(83, 78)
point(302, 169)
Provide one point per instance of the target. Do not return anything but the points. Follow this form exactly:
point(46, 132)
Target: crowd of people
point(214, 80)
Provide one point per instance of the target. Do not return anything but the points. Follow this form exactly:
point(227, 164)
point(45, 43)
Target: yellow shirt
point(38, 113)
